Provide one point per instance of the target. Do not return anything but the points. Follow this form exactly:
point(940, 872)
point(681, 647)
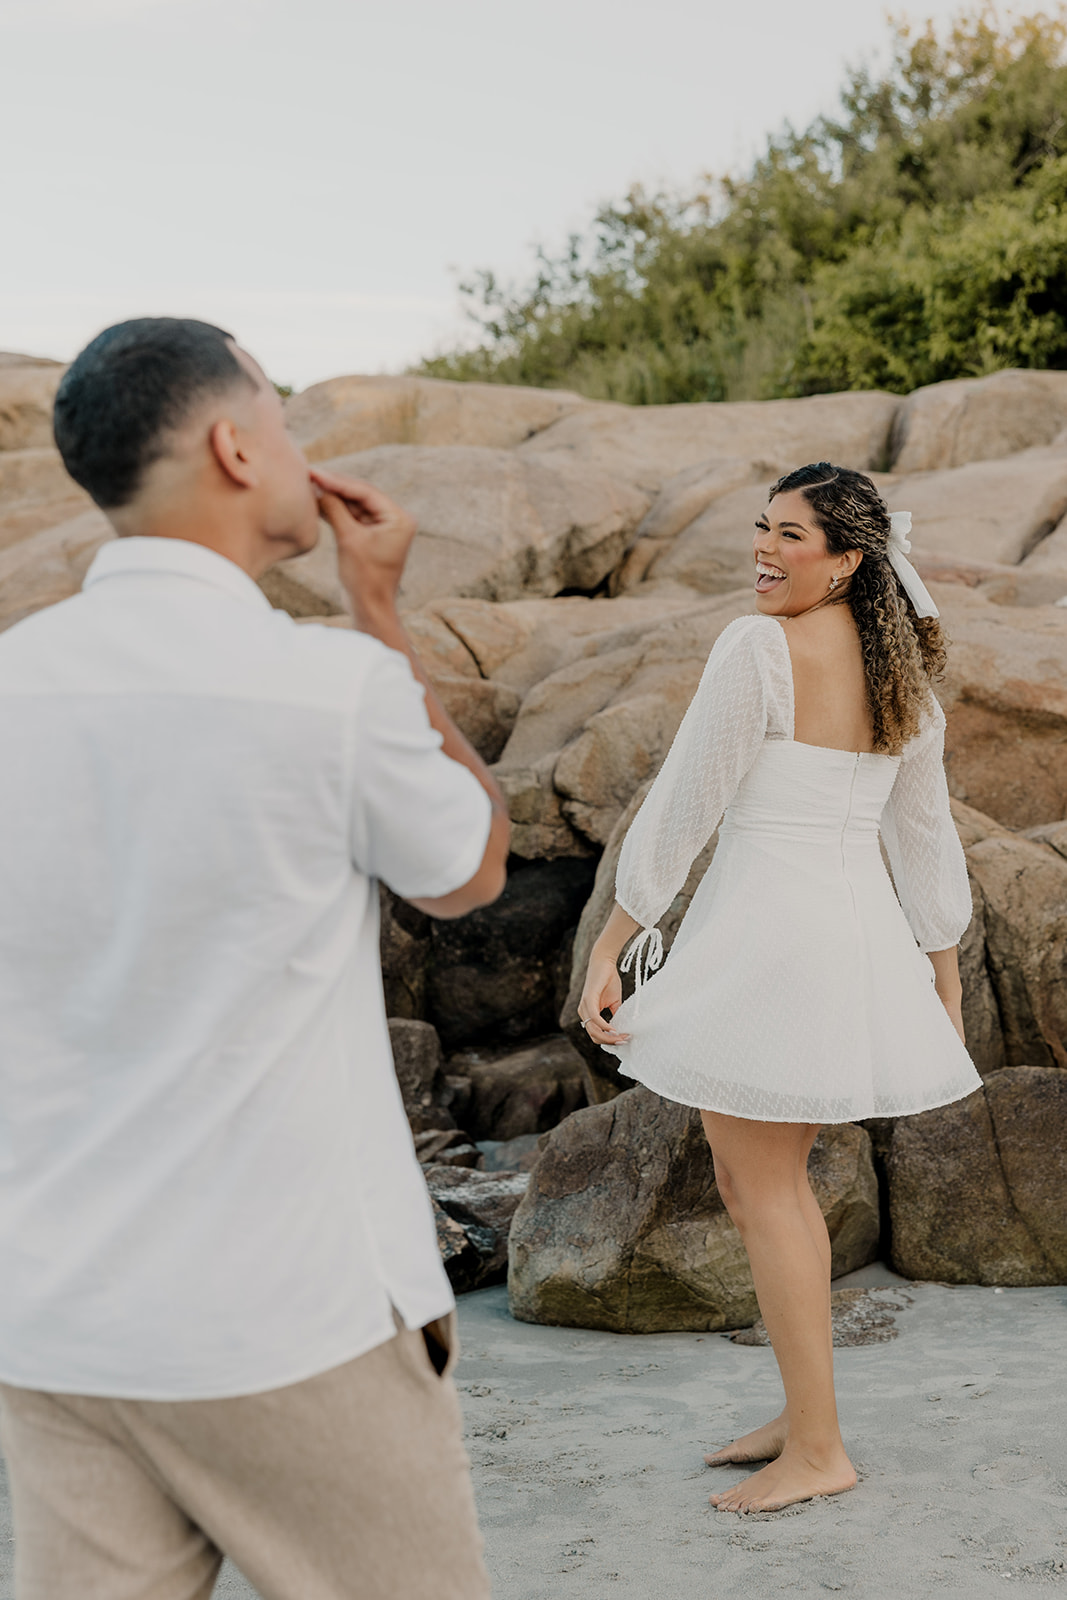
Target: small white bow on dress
point(897, 554)
point(645, 955)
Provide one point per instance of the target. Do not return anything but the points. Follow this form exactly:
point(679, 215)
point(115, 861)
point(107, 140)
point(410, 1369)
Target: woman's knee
point(724, 1181)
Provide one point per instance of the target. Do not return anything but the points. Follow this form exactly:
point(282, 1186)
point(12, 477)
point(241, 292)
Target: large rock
point(1005, 697)
point(27, 391)
point(1039, 580)
point(25, 518)
point(588, 735)
point(344, 415)
point(307, 586)
point(520, 1092)
point(647, 445)
point(1023, 888)
point(49, 565)
point(977, 1189)
point(1051, 833)
point(492, 524)
point(622, 1226)
point(982, 1025)
point(35, 477)
point(978, 419)
point(522, 642)
point(691, 501)
point(501, 973)
point(988, 511)
point(484, 712)
point(711, 555)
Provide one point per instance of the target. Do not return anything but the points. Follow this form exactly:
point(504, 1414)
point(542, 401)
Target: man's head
point(175, 431)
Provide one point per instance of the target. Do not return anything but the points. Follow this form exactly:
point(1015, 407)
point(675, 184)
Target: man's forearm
point(383, 623)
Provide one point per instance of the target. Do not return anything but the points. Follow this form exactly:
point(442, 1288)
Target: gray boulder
point(978, 1189)
point(622, 1226)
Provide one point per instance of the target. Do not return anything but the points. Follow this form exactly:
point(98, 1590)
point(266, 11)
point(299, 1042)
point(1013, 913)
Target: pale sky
point(312, 174)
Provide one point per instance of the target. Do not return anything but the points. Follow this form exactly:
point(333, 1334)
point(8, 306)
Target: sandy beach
point(587, 1458)
point(587, 1451)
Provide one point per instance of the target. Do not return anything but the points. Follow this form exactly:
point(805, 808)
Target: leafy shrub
point(920, 235)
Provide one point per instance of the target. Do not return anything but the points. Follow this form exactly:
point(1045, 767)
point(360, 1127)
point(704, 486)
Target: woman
point(799, 990)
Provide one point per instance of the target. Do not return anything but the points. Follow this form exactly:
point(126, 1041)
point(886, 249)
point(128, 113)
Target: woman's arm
point(603, 986)
point(947, 983)
point(925, 854)
point(745, 688)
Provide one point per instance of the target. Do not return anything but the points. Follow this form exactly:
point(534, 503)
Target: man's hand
point(373, 535)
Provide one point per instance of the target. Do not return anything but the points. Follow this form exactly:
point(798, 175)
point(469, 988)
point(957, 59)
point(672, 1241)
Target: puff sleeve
point(929, 867)
point(744, 694)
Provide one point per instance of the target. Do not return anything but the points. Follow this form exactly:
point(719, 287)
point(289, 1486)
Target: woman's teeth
point(767, 577)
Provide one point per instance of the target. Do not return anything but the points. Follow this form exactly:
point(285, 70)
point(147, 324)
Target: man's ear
point(227, 442)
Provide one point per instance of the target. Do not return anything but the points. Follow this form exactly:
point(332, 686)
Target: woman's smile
point(768, 577)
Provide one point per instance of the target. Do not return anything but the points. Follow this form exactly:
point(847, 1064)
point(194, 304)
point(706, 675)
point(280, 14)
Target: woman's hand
point(602, 992)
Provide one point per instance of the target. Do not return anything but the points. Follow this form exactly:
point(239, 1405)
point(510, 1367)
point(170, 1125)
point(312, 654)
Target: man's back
point(199, 1110)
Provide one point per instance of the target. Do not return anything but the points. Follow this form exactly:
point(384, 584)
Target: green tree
point(916, 235)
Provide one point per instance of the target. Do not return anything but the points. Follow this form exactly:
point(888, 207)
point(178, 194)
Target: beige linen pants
point(353, 1485)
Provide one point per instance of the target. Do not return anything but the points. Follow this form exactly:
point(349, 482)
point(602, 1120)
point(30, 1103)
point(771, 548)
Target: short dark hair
point(127, 389)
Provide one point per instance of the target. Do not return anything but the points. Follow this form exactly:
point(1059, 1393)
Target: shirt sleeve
point(929, 867)
point(420, 821)
point(717, 742)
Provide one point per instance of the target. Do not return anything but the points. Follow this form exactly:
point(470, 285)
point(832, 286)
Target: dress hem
point(823, 1121)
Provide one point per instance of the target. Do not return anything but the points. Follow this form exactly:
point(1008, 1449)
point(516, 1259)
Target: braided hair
point(902, 652)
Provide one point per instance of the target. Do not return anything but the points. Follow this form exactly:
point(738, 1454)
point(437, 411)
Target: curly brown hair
point(902, 652)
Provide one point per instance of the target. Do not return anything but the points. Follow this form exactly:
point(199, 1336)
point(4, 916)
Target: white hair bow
point(898, 550)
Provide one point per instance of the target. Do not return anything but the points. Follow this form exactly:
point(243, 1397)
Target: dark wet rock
point(483, 1205)
point(500, 974)
point(459, 1253)
point(405, 951)
point(446, 1147)
point(521, 1092)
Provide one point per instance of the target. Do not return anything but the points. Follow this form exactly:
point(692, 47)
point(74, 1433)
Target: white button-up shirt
point(207, 1182)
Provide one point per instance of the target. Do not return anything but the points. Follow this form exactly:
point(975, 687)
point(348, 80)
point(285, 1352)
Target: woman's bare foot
point(791, 1478)
point(762, 1444)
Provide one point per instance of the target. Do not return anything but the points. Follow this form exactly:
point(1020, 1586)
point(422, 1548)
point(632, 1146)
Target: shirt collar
point(179, 558)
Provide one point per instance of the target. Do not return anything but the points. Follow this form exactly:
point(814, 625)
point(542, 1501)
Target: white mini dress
point(797, 988)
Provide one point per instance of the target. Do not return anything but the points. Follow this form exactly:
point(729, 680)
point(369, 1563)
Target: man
point(224, 1326)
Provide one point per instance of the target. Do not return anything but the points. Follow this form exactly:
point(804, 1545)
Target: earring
point(834, 581)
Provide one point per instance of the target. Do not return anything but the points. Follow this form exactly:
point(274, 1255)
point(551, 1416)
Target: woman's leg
point(765, 1443)
point(761, 1169)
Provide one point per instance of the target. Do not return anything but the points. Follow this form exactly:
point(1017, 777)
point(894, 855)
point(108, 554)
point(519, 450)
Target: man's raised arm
point(374, 536)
